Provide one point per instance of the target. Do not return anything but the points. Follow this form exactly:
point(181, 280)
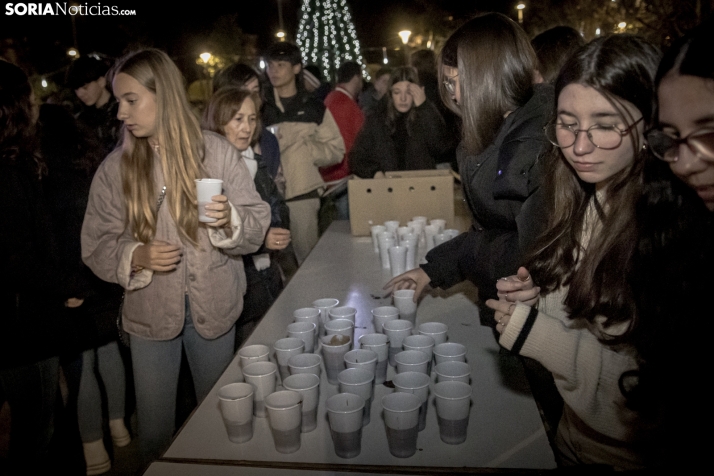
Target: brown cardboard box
point(401, 196)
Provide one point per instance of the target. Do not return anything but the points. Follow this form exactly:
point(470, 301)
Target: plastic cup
point(453, 372)
point(253, 353)
point(449, 351)
point(305, 331)
point(420, 219)
point(307, 385)
point(398, 259)
point(362, 359)
point(439, 223)
point(261, 375)
point(417, 226)
point(396, 330)
point(344, 412)
point(404, 301)
point(358, 382)
point(375, 231)
point(343, 327)
point(412, 361)
point(386, 240)
point(308, 314)
point(206, 189)
point(422, 343)
point(305, 364)
point(401, 418)
point(453, 406)
point(324, 305)
point(430, 231)
point(417, 384)
point(379, 344)
point(451, 233)
point(435, 330)
point(235, 401)
point(284, 415)
point(342, 312)
point(392, 227)
point(440, 238)
point(334, 348)
point(412, 244)
point(382, 314)
point(284, 349)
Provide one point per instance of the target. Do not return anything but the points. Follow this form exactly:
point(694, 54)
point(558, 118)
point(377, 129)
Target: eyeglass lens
point(667, 148)
point(601, 137)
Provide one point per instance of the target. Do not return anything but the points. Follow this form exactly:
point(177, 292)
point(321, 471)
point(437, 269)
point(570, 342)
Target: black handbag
point(124, 335)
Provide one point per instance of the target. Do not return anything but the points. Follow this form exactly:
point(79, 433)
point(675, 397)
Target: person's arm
point(325, 145)
point(363, 158)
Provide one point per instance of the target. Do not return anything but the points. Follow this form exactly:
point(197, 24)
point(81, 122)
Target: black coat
point(375, 150)
point(500, 186)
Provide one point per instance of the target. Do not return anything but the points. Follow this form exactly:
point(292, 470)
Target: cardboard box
point(401, 196)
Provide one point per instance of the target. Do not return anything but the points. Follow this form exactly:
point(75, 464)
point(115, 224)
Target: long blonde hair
point(181, 150)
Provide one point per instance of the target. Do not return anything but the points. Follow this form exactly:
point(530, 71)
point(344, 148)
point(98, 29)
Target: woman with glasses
point(685, 135)
point(487, 70)
point(405, 132)
point(623, 260)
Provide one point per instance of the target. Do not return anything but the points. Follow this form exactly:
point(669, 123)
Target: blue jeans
point(156, 371)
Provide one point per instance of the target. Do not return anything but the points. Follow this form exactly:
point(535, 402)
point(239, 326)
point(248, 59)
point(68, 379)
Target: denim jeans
point(156, 371)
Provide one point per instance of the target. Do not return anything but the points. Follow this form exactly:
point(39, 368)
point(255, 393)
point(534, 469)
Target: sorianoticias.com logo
point(64, 8)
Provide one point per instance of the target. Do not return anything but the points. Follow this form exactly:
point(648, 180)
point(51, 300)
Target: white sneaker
point(120, 435)
point(96, 457)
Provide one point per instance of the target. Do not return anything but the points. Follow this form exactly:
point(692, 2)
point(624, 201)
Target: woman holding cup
point(141, 229)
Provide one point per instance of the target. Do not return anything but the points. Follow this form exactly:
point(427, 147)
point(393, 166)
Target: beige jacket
point(211, 274)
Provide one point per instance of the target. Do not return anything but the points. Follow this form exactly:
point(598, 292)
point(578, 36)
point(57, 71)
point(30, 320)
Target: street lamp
point(73, 53)
point(404, 35)
point(281, 35)
point(205, 57)
point(520, 7)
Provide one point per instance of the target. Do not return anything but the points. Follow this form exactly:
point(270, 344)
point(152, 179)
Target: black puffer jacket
point(500, 186)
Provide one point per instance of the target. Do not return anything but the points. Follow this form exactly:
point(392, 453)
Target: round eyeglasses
point(602, 137)
point(665, 147)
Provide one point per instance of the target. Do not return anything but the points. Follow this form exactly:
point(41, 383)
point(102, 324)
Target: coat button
point(201, 320)
point(192, 277)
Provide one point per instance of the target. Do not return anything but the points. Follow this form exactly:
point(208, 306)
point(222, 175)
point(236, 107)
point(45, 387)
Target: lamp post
point(520, 7)
point(404, 35)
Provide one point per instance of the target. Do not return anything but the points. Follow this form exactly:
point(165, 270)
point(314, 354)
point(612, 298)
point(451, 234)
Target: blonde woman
point(184, 285)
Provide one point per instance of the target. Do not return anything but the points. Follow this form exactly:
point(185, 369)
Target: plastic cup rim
point(344, 412)
point(247, 371)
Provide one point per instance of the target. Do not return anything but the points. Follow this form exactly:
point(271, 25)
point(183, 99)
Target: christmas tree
point(327, 36)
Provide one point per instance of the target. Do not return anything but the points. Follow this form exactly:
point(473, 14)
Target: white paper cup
point(307, 385)
point(324, 305)
point(392, 227)
point(398, 259)
point(396, 330)
point(285, 415)
point(253, 353)
point(401, 418)
point(412, 361)
point(382, 314)
point(435, 330)
point(261, 375)
point(402, 231)
point(422, 219)
point(344, 413)
point(404, 301)
point(430, 231)
point(412, 244)
point(375, 231)
point(359, 382)
point(453, 406)
point(379, 344)
point(386, 241)
point(417, 384)
point(308, 314)
point(304, 331)
point(343, 312)
point(284, 349)
point(235, 402)
point(451, 233)
point(305, 364)
point(453, 372)
point(206, 189)
point(449, 351)
point(417, 226)
point(439, 239)
point(362, 359)
point(343, 327)
point(439, 223)
point(334, 348)
point(422, 343)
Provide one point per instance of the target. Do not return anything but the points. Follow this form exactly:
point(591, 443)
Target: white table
point(505, 429)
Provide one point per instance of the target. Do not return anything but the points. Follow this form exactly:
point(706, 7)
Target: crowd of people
point(588, 169)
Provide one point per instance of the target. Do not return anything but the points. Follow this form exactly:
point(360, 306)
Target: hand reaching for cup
point(518, 288)
point(417, 93)
point(277, 238)
point(157, 256)
point(415, 279)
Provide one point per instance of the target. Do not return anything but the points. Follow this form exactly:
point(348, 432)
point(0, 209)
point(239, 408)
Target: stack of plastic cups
point(440, 238)
point(451, 233)
point(401, 418)
point(439, 224)
point(411, 241)
point(453, 405)
point(375, 231)
point(397, 259)
point(392, 227)
point(285, 417)
point(417, 384)
point(430, 231)
point(359, 382)
point(386, 241)
point(344, 413)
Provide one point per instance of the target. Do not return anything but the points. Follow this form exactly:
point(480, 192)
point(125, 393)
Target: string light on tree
point(327, 37)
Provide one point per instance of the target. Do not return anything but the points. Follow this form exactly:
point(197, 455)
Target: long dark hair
point(18, 115)
point(691, 55)
point(405, 73)
point(621, 68)
point(496, 65)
